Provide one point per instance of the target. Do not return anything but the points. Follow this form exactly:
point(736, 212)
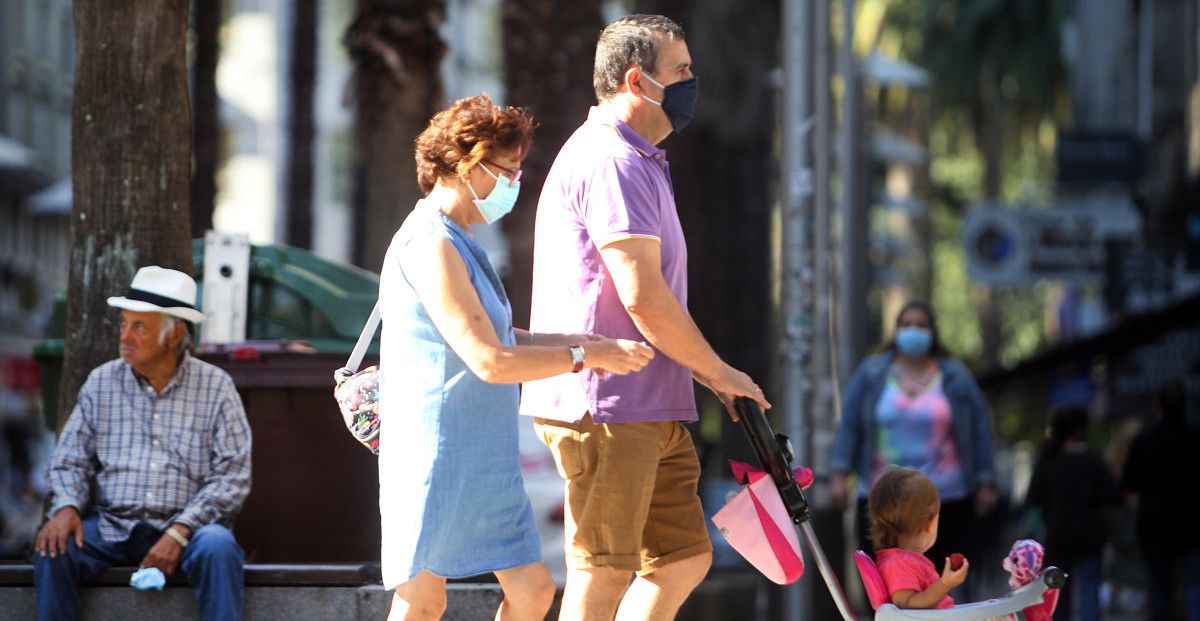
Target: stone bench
point(273, 591)
point(353, 592)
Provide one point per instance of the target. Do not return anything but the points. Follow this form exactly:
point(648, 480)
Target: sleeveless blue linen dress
point(451, 497)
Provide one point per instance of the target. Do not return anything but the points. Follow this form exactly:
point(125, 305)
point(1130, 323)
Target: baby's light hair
point(902, 502)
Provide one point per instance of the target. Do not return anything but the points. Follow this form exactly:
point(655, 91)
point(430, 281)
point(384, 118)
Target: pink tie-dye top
point(918, 431)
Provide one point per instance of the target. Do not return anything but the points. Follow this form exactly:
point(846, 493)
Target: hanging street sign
point(1018, 246)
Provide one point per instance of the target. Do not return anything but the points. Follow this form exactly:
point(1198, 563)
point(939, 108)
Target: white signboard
point(226, 287)
point(1012, 246)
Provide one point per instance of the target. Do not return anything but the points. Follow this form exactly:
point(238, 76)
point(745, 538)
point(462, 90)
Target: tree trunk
point(397, 54)
point(130, 158)
point(298, 196)
point(206, 127)
point(988, 118)
point(722, 170)
point(557, 90)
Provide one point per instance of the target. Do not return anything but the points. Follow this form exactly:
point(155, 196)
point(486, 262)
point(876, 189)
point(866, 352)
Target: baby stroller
point(774, 453)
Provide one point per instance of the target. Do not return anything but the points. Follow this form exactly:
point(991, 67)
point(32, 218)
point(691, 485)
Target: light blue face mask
point(148, 578)
point(914, 341)
point(500, 201)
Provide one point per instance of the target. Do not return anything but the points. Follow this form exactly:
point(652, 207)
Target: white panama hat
point(159, 290)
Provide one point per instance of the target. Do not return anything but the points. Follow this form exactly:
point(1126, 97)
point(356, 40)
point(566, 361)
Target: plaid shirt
point(131, 454)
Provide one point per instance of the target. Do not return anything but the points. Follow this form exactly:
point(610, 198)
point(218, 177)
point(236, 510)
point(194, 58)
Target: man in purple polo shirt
point(610, 258)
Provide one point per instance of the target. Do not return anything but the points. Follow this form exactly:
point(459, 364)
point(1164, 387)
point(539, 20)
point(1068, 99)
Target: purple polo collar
point(601, 115)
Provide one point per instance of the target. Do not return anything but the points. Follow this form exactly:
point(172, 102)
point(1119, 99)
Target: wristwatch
point(577, 357)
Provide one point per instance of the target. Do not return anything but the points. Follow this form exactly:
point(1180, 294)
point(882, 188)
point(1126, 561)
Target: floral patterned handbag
point(357, 392)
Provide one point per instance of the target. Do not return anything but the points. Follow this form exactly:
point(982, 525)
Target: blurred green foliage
point(997, 101)
point(996, 67)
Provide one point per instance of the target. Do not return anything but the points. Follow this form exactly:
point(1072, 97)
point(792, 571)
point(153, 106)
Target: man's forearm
point(67, 490)
point(59, 504)
point(668, 326)
point(71, 468)
point(205, 509)
point(219, 500)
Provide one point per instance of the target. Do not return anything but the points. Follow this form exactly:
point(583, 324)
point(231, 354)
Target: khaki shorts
point(631, 499)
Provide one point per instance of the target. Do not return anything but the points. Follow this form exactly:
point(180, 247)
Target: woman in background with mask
point(451, 499)
point(912, 404)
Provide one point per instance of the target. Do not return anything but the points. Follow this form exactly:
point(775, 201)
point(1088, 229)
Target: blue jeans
point(1082, 592)
point(1167, 569)
point(212, 563)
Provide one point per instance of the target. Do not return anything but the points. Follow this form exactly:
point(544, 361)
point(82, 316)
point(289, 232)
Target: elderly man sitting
point(153, 463)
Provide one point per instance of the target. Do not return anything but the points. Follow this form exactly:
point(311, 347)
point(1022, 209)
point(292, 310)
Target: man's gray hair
point(168, 326)
point(627, 42)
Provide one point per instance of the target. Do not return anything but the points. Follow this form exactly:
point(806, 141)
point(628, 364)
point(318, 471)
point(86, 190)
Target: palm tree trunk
point(131, 164)
point(989, 131)
point(298, 199)
point(206, 128)
point(557, 89)
point(721, 168)
point(397, 52)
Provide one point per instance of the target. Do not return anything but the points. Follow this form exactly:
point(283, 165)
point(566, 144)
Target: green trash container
point(48, 355)
point(314, 495)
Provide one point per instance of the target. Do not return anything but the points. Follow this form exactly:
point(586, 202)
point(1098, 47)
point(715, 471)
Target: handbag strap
point(372, 325)
point(364, 340)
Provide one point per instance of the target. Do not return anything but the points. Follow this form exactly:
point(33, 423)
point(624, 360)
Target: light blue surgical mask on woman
point(500, 201)
point(914, 341)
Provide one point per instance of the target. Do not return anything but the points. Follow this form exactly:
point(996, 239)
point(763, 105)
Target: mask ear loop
point(495, 176)
point(644, 74)
point(629, 83)
point(467, 182)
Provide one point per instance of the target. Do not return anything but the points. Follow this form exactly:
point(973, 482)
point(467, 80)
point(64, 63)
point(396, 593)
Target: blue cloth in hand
point(148, 578)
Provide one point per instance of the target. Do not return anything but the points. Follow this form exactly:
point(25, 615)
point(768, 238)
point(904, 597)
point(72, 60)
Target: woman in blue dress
point(451, 498)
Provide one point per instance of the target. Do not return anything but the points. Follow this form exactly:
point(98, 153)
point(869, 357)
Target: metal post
point(826, 571)
point(796, 181)
point(822, 412)
point(854, 272)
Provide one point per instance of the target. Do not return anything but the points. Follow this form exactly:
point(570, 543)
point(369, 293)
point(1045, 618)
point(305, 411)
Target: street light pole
point(853, 273)
point(796, 190)
point(821, 408)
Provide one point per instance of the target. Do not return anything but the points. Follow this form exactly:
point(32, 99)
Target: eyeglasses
point(513, 174)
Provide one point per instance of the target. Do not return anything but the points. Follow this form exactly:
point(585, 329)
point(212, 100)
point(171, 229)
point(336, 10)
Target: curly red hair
point(466, 133)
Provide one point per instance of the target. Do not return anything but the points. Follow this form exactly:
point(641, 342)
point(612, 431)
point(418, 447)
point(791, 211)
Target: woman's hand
point(986, 498)
point(619, 356)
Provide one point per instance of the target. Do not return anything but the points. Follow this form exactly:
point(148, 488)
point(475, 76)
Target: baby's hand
point(954, 577)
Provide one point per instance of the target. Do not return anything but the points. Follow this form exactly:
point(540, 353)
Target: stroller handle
point(775, 455)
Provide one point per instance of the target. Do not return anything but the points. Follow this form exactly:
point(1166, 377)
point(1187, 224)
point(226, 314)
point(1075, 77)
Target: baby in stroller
point(904, 507)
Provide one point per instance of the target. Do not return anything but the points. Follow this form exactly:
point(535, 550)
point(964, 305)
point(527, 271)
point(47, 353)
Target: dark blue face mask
point(679, 100)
